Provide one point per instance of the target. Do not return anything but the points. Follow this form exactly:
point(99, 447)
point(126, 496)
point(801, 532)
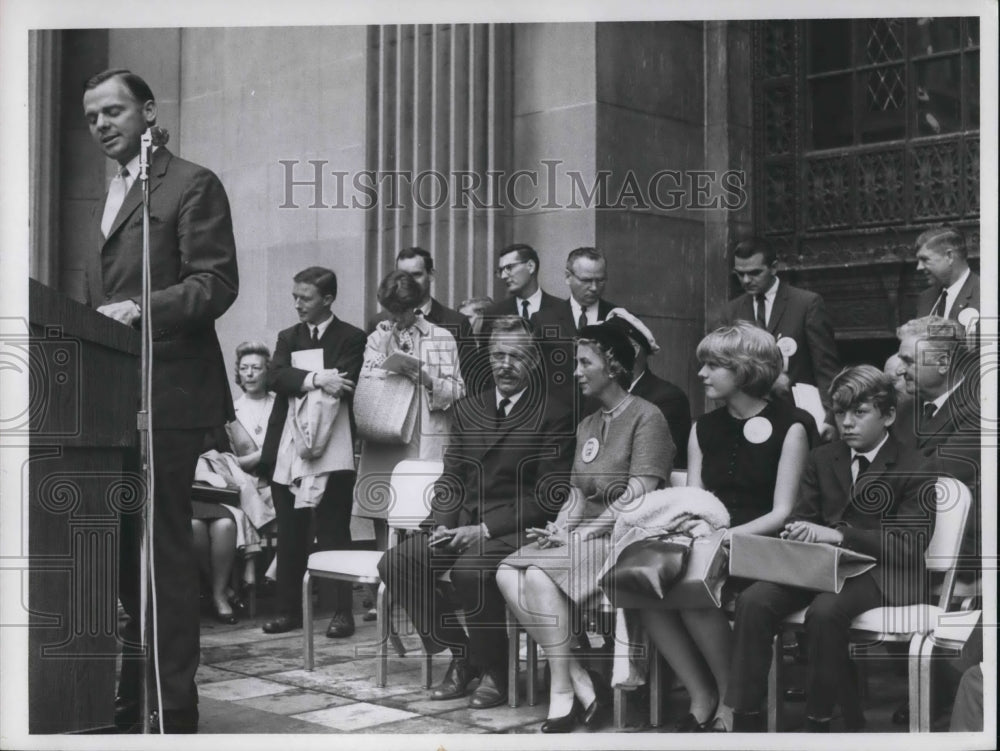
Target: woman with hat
point(623, 450)
point(671, 400)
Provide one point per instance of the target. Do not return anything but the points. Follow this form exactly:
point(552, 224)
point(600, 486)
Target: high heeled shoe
point(599, 711)
point(236, 600)
point(565, 723)
point(690, 724)
point(229, 619)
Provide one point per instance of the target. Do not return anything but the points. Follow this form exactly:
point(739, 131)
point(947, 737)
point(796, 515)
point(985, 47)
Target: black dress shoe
point(565, 723)
point(456, 680)
point(176, 721)
point(749, 722)
point(126, 714)
point(491, 691)
point(228, 619)
point(817, 726)
point(341, 626)
point(283, 623)
point(689, 724)
point(599, 711)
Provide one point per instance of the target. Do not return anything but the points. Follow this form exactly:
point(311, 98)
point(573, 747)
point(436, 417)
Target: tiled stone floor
point(251, 682)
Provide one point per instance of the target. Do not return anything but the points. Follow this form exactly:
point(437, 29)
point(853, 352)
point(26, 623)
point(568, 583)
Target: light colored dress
point(633, 441)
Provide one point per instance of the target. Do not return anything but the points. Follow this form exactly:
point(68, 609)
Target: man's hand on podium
point(126, 311)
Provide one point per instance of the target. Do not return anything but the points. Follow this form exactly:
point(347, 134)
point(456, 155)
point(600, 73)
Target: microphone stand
point(145, 440)
point(147, 586)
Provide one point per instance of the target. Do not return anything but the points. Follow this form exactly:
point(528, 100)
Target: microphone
point(159, 135)
point(152, 136)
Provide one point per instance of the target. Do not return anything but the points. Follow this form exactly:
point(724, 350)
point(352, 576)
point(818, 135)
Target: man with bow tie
point(194, 281)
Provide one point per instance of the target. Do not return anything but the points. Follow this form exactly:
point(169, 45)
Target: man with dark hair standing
point(942, 258)
point(518, 269)
point(419, 263)
point(194, 280)
point(343, 347)
point(510, 450)
point(796, 317)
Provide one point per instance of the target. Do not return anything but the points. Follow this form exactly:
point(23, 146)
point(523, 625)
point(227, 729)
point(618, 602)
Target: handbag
point(811, 565)
point(385, 406)
point(647, 568)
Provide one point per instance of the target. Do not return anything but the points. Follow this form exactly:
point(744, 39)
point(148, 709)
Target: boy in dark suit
point(343, 345)
point(853, 492)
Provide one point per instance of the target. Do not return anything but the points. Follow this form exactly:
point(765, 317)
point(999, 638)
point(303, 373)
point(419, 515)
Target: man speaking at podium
point(194, 280)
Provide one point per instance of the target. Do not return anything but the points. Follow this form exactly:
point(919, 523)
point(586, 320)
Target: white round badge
point(787, 346)
point(757, 429)
point(968, 317)
point(590, 449)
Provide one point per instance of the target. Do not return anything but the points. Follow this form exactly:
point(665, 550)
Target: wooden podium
point(83, 398)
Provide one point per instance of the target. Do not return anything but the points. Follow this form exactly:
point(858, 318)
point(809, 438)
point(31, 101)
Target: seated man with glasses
point(795, 317)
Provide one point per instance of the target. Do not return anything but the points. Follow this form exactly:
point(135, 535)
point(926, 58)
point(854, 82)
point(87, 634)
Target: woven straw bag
point(385, 407)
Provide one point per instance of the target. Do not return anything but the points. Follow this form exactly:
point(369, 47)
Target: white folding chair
point(411, 487)
point(902, 624)
point(951, 633)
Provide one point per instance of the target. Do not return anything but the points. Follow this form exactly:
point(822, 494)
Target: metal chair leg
point(307, 621)
point(513, 658)
point(919, 674)
point(619, 709)
point(775, 686)
point(382, 618)
point(532, 669)
point(655, 677)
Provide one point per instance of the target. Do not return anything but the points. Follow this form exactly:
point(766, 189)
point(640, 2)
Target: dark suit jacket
point(343, 348)
point(800, 315)
point(194, 281)
point(560, 316)
point(886, 497)
point(674, 405)
point(555, 329)
point(508, 307)
point(968, 297)
point(508, 477)
point(452, 321)
point(952, 438)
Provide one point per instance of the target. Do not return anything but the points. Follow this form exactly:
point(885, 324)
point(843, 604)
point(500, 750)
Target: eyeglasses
point(508, 268)
point(594, 281)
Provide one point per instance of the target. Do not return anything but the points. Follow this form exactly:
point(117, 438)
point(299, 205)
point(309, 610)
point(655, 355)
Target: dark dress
point(740, 457)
